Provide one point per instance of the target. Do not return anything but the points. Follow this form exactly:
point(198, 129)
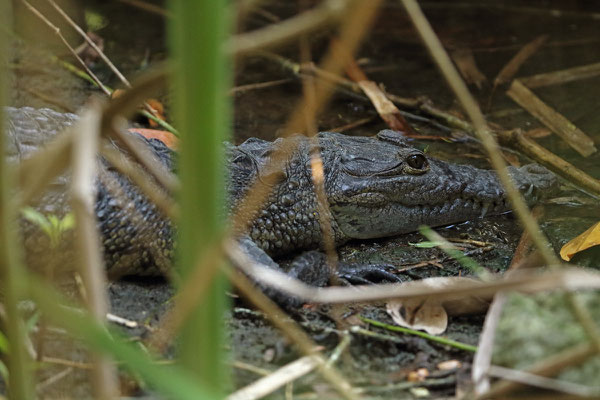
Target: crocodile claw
point(356, 274)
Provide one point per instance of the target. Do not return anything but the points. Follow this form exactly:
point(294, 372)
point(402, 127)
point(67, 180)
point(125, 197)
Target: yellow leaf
point(587, 239)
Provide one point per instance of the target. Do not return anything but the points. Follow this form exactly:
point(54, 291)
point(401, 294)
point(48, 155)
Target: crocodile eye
point(417, 161)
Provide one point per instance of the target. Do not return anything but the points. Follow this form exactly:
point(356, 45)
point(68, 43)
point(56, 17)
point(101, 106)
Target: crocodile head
point(385, 187)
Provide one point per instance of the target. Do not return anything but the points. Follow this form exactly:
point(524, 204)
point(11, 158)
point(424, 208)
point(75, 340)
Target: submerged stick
point(578, 140)
point(562, 76)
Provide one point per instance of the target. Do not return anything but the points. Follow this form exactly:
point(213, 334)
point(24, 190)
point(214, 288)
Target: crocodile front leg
point(311, 268)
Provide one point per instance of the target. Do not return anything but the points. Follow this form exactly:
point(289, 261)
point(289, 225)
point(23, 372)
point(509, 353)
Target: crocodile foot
point(361, 274)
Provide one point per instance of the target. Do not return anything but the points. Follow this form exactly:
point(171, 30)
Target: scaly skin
point(376, 187)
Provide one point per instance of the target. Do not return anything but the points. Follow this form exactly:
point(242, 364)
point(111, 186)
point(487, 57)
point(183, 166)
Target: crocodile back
point(28, 129)
point(136, 238)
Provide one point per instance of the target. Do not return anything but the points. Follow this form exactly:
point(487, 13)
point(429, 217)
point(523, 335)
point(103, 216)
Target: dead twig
point(259, 85)
point(277, 34)
point(562, 76)
point(275, 380)
point(90, 42)
point(121, 321)
point(512, 67)
point(71, 49)
point(42, 386)
point(352, 125)
point(578, 140)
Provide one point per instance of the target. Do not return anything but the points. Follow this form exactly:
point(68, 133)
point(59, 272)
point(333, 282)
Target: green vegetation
point(201, 76)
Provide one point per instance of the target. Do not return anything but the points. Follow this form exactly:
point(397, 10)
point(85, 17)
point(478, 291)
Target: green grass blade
point(197, 33)
point(19, 376)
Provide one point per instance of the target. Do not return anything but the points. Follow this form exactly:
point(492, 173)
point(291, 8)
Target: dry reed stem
point(318, 178)
point(526, 281)
point(351, 33)
point(482, 131)
point(187, 298)
point(485, 346)
point(355, 26)
point(124, 106)
point(37, 171)
point(483, 357)
point(87, 238)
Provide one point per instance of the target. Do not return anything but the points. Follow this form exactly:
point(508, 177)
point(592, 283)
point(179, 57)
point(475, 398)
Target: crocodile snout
point(534, 181)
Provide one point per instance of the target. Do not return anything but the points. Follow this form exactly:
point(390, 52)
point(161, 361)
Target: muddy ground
point(393, 56)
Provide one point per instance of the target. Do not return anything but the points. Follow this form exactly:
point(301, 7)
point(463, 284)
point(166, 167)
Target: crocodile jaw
point(360, 221)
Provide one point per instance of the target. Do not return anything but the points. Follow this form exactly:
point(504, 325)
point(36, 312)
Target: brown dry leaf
point(166, 137)
point(384, 106)
point(464, 60)
point(587, 239)
point(427, 315)
point(159, 111)
point(430, 314)
point(153, 105)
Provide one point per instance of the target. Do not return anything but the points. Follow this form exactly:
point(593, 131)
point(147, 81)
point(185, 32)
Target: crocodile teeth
point(484, 209)
point(529, 191)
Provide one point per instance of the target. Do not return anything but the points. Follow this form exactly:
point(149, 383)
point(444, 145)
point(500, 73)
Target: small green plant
point(52, 225)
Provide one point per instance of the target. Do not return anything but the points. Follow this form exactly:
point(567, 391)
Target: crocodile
point(376, 187)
